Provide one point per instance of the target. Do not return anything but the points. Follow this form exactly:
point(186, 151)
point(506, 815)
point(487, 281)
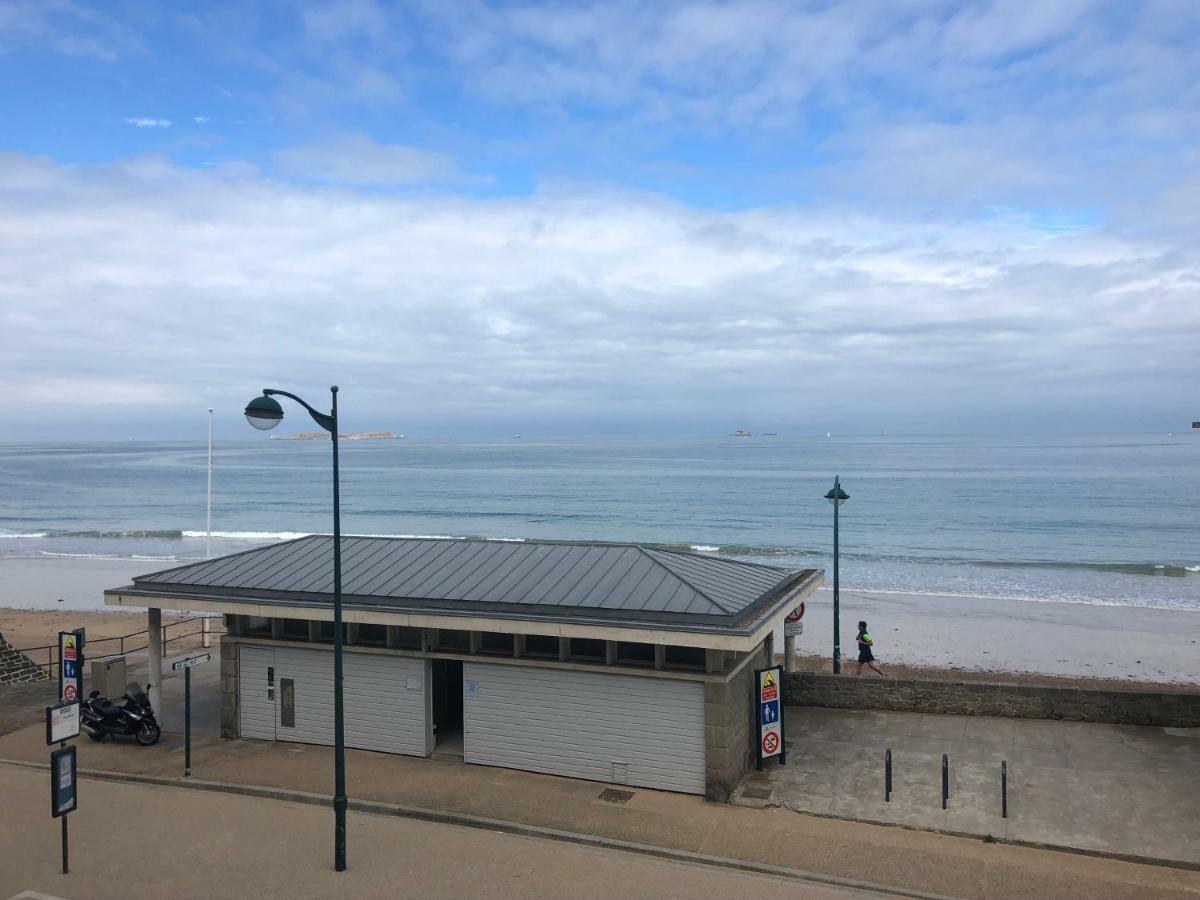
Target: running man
point(865, 656)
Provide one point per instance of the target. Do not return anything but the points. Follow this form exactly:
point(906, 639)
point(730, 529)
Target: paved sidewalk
point(1119, 789)
point(886, 855)
point(180, 844)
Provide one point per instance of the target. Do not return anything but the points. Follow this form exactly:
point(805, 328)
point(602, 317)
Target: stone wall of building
point(16, 667)
point(728, 726)
point(1166, 708)
point(229, 689)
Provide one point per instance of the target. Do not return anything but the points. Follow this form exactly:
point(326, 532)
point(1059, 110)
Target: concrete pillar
point(475, 641)
point(564, 649)
point(518, 646)
point(610, 653)
point(789, 653)
point(205, 632)
point(660, 655)
point(154, 651)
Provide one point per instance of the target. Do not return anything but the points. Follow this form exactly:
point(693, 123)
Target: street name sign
point(190, 661)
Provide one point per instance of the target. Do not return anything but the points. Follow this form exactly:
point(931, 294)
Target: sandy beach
point(942, 635)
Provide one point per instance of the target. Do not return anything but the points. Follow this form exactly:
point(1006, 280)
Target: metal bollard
point(945, 779)
point(887, 776)
point(1004, 789)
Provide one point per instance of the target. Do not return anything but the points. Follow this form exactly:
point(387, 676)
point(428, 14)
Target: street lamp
point(265, 413)
point(836, 498)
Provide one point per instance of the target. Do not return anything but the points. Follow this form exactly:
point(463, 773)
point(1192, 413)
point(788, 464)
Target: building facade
point(618, 663)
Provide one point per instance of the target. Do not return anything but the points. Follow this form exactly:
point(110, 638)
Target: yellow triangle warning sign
point(70, 643)
point(769, 680)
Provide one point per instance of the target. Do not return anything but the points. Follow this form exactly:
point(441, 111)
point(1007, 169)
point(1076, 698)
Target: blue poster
point(770, 712)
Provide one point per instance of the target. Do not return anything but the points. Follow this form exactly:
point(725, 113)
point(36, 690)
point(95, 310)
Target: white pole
point(205, 639)
point(208, 518)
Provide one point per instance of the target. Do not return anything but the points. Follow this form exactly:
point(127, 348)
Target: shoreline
point(943, 636)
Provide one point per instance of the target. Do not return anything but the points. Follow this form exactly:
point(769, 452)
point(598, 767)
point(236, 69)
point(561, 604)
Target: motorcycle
point(100, 717)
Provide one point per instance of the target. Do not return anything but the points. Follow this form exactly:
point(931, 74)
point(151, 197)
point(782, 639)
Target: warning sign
point(792, 625)
point(70, 665)
point(770, 715)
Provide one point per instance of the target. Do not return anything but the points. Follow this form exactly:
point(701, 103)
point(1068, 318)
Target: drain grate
point(612, 795)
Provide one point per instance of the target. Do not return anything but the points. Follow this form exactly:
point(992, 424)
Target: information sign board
point(64, 796)
point(62, 722)
point(792, 625)
point(769, 735)
point(70, 667)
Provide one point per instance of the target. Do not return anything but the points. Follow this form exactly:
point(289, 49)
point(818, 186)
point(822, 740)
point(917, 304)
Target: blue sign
point(770, 712)
point(70, 669)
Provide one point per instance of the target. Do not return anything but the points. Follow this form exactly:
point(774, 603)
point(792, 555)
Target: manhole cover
point(611, 795)
point(757, 793)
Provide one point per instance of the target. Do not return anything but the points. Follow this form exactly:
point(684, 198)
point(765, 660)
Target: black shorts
point(865, 655)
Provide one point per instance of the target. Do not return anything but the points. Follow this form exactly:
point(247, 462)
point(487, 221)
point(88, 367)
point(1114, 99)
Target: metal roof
point(530, 577)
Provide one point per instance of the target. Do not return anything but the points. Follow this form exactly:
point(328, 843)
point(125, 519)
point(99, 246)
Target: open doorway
point(448, 707)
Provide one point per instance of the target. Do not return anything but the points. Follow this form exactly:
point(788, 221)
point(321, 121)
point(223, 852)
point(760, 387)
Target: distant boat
point(770, 434)
point(829, 434)
point(741, 433)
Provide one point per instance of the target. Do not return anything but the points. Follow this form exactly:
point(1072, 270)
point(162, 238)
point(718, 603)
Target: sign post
point(792, 627)
point(768, 701)
point(62, 724)
point(187, 665)
point(64, 794)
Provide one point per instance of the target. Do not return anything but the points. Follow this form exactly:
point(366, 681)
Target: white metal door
point(286, 694)
point(620, 729)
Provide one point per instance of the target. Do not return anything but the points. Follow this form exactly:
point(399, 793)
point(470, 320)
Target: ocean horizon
point(1095, 519)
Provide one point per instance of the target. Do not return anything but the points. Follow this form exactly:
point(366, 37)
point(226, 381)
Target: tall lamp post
point(265, 413)
point(836, 498)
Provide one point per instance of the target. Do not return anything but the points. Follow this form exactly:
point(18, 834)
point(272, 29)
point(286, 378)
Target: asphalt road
point(140, 841)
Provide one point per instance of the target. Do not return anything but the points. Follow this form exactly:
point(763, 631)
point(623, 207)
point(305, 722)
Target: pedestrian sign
point(769, 739)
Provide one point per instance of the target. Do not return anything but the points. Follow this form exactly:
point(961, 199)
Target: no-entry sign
point(792, 625)
point(768, 703)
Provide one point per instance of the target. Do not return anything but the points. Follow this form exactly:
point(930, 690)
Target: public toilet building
point(618, 663)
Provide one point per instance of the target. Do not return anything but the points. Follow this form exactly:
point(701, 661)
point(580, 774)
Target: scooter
point(100, 717)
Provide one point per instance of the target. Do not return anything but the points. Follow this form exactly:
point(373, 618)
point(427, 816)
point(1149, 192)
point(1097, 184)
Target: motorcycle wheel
point(147, 734)
point(99, 736)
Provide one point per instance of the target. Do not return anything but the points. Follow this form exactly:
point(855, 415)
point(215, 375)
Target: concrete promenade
point(137, 841)
point(1117, 789)
point(902, 858)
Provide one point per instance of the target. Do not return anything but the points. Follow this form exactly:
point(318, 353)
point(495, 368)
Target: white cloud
point(575, 306)
point(356, 159)
point(147, 122)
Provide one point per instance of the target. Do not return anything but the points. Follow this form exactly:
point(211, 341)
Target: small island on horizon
point(324, 436)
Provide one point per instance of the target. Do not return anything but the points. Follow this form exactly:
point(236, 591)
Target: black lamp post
point(265, 413)
point(836, 498)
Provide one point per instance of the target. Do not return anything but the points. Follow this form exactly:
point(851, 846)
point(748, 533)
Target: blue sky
point(562, 218)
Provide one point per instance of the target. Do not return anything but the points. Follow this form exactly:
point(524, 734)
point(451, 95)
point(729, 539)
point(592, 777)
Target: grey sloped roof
point(533, 576)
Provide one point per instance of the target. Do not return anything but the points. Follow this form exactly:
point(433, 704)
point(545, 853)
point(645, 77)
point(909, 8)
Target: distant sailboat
point(829, 434)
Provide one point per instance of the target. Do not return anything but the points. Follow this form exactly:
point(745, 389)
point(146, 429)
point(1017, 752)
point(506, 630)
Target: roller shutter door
point(387, 699)
point(619, 729)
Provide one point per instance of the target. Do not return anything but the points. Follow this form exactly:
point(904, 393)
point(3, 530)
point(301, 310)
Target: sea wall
point(1021, 701)
point(16, 667)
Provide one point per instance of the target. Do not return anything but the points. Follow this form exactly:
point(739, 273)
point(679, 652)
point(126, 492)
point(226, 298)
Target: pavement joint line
point(375, 807)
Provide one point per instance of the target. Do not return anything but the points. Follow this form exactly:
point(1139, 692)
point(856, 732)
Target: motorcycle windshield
point(136, 694)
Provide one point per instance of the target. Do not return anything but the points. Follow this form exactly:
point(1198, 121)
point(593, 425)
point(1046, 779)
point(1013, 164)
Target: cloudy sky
point(484, 218)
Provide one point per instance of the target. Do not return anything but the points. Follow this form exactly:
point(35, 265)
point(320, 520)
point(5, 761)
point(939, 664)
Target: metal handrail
point(51, 649)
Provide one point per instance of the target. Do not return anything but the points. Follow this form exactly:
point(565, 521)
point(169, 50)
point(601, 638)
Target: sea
point(1093, 519)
